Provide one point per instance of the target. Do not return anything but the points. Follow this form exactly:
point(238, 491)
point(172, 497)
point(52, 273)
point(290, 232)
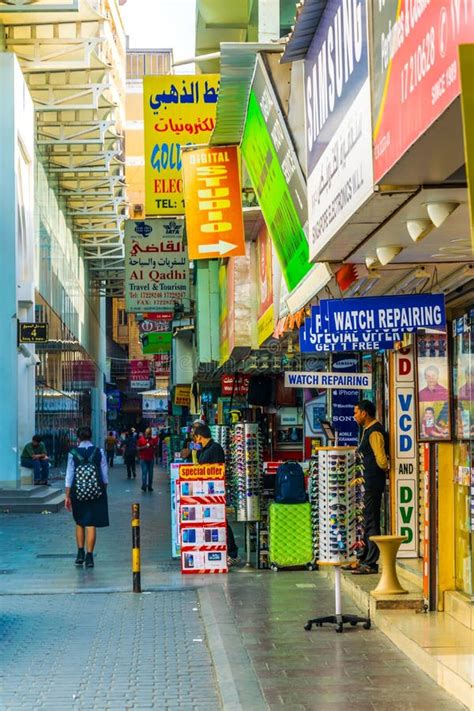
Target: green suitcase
point(290, 536)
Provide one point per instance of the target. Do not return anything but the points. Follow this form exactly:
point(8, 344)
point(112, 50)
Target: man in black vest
point(373, 448)
point(211, 452)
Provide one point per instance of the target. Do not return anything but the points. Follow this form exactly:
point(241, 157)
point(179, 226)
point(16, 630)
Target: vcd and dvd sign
point(405, 451)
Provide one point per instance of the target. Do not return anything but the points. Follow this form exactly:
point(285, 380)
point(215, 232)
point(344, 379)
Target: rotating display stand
point(337, 521)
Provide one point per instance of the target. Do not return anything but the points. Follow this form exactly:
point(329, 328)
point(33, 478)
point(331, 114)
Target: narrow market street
point(79, 639)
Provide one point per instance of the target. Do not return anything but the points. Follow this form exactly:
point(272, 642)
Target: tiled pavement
point(185, 640)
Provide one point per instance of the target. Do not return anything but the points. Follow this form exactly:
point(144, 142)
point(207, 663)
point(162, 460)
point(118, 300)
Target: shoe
point(89, 560)
point(80, 556)
point(134, 476)
point(355, 565)
point(365, 570)
point(129, 477)
point(232, 561)
point(150, 488)
point(143, 488)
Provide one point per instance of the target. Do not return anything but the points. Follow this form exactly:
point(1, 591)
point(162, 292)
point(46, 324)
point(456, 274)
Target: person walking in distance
point(373, 448)
point(130, 454)
point(146, 446)
point(86, 494)
point(110, 444)
point(211, 452)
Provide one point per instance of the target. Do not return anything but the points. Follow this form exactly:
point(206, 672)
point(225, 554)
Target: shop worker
point(373, 448)
point(211, 452)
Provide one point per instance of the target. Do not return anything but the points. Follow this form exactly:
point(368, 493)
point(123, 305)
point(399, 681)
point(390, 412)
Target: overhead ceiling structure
point(72, 54)
point(218, 22)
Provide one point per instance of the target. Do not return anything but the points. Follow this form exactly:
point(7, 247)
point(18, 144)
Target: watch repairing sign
point(156, 265)
point(415, 69)
point(338, 130)
point(178, 111)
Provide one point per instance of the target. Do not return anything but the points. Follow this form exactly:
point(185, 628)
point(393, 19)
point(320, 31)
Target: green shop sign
point(274, 197)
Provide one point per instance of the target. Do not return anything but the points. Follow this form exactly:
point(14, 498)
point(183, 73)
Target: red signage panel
point(416, 70)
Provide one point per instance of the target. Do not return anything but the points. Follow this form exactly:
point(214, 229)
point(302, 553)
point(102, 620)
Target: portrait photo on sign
point(434, 422)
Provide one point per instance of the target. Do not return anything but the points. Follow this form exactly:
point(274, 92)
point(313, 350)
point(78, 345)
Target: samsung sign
point(338, 126)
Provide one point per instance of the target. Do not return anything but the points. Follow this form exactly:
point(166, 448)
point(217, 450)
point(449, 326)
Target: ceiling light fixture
point(438, 212)
point(371, 262)
point(387, 253)
point(419, 228)
point(456, 279)
point(411, 282)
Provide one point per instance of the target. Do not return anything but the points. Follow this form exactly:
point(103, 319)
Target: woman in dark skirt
point(92, 514)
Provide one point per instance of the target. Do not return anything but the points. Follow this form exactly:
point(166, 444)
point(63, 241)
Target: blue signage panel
point(401, 313)
point(336, 68)
point(343, 402)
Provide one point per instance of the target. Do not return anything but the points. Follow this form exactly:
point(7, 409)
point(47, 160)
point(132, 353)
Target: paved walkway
point(80, 639)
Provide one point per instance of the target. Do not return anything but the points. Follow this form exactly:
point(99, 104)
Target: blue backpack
point(289, 484)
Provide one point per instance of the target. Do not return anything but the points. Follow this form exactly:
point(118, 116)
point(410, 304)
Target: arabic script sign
point(178, 111)
point(156, 265)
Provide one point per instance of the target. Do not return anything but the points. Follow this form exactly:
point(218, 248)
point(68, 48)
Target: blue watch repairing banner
point(381, 313)
point(343, 402)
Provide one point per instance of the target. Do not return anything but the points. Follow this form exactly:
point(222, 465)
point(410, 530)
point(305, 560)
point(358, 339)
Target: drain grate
point(5, 571)
point(56, 555)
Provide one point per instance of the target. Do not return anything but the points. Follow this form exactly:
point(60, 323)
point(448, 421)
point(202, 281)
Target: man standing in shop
point(373, 449)
point(211, 452)
point(146, 447)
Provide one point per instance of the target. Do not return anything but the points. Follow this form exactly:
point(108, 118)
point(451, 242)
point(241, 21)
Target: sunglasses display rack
point(337, 503)
point(337, 513)
point(314, 501)
point(247, 469)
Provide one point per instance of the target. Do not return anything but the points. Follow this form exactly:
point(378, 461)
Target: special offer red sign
point(416, 69)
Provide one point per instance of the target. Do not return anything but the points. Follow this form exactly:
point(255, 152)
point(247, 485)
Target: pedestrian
point(373, 449)
point(110, 444)
point(211, 452)
point(86, 493)
point(34, 456)
point(130, 454)
point(146, 446)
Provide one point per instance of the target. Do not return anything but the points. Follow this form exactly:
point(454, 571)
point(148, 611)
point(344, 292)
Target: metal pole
point(136, 548)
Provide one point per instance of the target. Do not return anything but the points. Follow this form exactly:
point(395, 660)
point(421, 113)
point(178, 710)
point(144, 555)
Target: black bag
point(87, 480)
point(289, 484)
point(260, 390)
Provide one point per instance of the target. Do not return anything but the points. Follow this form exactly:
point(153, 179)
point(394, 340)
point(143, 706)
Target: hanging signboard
point(385, 313)
point(202, 517)
point(182, 395)
point(156, 265)
point(274, 196)
point(237, 385)
point(328, 381)
point(415, 70)
point(405, 451)
point(154, 326)
point(466, 65)
point(338, 132)
point(212, 190)
point(434, 418)
point(140, 374)
point(265, 307)
point(344, 399)
point(178, 111)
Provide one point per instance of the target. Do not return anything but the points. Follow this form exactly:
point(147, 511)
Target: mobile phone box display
point(199, 536)
point(196, 561)
point(191, 514)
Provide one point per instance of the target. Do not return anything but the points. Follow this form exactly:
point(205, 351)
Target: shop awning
point(237, 70)
point(308, 15)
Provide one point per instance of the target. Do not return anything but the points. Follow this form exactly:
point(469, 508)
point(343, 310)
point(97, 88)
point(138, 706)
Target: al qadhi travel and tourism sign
point(338, 130)
point(415, 69)
point(178, 111)
point(156, 265)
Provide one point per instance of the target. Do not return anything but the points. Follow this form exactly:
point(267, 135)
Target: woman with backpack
point(130, 454)
point(86, 493)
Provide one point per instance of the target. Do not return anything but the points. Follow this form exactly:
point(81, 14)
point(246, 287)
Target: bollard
point(136, 548)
